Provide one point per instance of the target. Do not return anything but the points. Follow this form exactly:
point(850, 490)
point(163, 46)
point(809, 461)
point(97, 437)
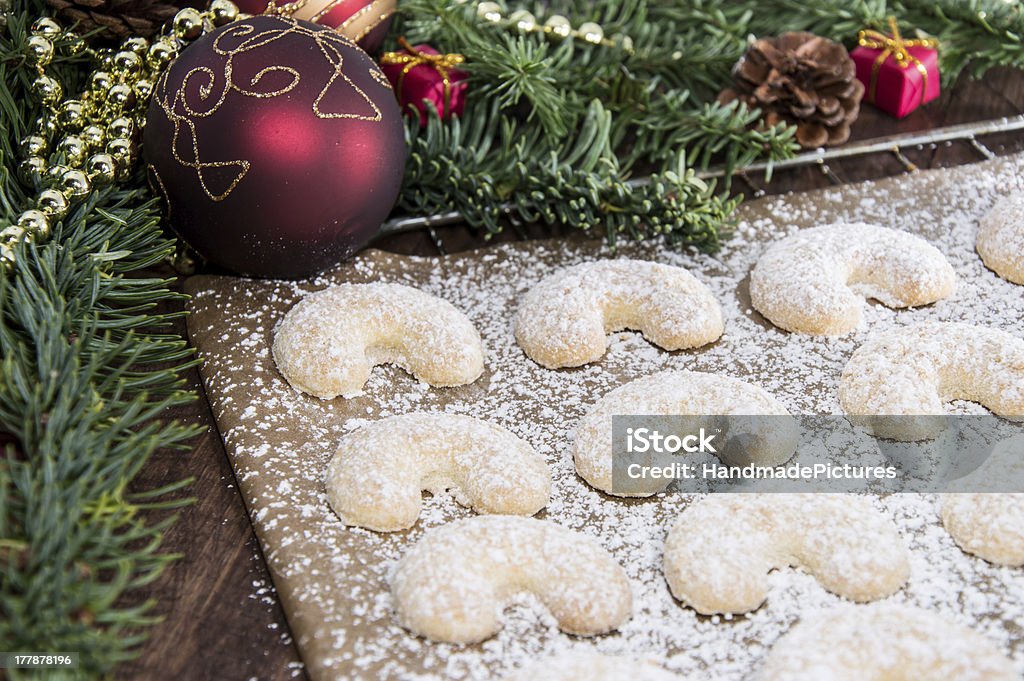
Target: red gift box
point(899, 75)
point(421, 73)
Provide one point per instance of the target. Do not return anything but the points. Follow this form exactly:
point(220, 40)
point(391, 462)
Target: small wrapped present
point(421, 73)
point(899, 74)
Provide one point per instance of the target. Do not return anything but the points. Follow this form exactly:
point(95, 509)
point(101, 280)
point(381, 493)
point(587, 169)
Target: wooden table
point(222, 619)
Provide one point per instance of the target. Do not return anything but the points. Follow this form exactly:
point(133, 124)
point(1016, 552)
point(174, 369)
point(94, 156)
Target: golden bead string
point(90, 140)
point(556, 26)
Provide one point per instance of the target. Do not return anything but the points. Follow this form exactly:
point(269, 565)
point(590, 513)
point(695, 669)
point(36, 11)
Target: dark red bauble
point(278, 145)
point(365, 22)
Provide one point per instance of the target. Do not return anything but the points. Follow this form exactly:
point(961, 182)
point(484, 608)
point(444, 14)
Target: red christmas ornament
point(365, 22)
point(420, 73)
point(278, 145)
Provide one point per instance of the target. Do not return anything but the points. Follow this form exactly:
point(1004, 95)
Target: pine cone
point(116, 18)
point(803, 79)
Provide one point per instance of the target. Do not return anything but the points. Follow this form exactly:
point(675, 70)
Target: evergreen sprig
point(89, 364)
point(556, 131)
point(87, 370)
point(484, 167)
point(659, 89)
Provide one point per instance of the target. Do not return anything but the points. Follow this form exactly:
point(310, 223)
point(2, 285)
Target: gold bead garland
point(91, 138)
point(556, 26)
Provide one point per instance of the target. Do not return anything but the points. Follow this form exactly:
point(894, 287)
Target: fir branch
point(88, 368)
point(483, 167)
point(731, 132)
point(503, 65)
point(521, 69)
point(692, 46)
point(976, 35)
point(652, 118)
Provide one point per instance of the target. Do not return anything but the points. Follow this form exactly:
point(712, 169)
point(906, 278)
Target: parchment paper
point(332, 580)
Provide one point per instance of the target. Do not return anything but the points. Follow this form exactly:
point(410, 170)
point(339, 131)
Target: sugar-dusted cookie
point(376, 477)
point(585, 665)
point(1000, 241)
point(912, 370)
point(670, 393)
point(327, 344)
point(884, 642)
point(564, 320)
point(815, 281)
point(719, 552)
point(990, 525)
point(453, 584)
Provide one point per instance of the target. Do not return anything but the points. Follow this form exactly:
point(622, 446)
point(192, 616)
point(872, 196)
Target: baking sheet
point(332, 580)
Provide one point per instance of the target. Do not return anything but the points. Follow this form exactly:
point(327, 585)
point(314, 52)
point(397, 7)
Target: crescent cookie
point(328, 343)
point(669, 393)
point(988, 525)
point(564, 320)
point(453, 584)
point(721, 549)
point(1000, 241)
point(911, 371)
point(884, 642)
point(803, 282)
point(591, 666)
point(376, 477)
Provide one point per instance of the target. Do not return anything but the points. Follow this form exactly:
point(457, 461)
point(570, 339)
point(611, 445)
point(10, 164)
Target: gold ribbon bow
point(898, 48)
point(411, 58)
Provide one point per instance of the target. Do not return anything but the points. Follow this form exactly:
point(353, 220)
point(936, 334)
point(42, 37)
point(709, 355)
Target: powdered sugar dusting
point(452, 585)
point(815, 281)
point(564, 319)
point(849, 546)
point(884, 641)
point(333, 580)
point(375, 478)
point(1001, 238)
point(586, 665)
point(327, 344)
point(914, 369)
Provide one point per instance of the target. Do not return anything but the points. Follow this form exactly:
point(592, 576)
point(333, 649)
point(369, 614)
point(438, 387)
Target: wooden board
point(332, 580)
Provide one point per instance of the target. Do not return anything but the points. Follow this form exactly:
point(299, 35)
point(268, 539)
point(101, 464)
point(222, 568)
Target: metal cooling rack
point(893, 144)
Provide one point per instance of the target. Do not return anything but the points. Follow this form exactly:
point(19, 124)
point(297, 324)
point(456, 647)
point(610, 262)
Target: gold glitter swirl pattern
point(183, 112)
point(379, 76)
